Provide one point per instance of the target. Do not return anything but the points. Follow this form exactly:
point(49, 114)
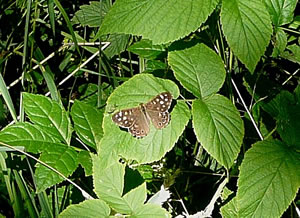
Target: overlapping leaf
point(269, 180)
point(48, 115)
point(161, 21)
point(141, 89)
point(87, 123)
point(247, 28)
point(198, 69)
point(89, 208)
point(218, 127)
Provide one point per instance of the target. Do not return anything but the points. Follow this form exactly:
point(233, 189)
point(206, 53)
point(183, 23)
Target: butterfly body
point(137, 119)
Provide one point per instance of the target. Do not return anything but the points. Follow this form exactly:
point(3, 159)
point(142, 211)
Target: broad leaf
point(293, 53)
point(50, 116)
point(218, 127)
point(87, 123)
point(146, 49)
point(118, 43)
point(150, 211)
point(30, 136)
point(198, 69)
point(161, 21)
point(229, 210)
point(109, 184)
point(85, 160)
point(281, 11)
point(280, 43)
point(269, 180)
point(61, 158)
point(92, 14)
point(247, 28)
point(136, 197)
point(89, 208)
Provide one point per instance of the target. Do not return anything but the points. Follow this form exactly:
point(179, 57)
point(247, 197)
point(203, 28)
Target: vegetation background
point(231, 148)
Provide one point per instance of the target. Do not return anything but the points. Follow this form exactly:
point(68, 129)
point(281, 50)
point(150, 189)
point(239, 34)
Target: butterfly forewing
point(157, 109)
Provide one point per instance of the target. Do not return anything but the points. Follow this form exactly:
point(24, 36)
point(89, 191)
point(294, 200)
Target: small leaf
point(49, 115)
point(146, 49)
point(150, 211)
point(219, 128)
point(118, 44)
point(62, 158)
point(92, 15)
point(198, 69)
point(229, 210)
point(293, 53)
point(247, 28)
point(89, 208)
point(85, 160)
point(136, 197)
point(269, 180)
point(280, 43)
point(87, 123)
point(161, 21)
point(281, 11)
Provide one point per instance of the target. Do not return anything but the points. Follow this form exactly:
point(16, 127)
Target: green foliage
point(232, 68)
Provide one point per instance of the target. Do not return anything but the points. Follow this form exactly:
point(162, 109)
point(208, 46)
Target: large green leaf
point(218, 127)
point(281, 11)
point(87, 123)
point(247, 28)
point(89, 208)
point(198, 69)
point(140, 89)
point(269, 180)
point(30, 136)
point(61, 158)
point(161, 21)
point(50, 116)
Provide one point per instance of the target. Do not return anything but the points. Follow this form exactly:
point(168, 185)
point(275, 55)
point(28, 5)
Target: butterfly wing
point(134, 120)
point(157, 109)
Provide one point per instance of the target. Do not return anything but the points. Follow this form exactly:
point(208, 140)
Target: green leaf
point(198, 69)
point(92, 15)
point(89, 208)
point(87, 123)
point(109, 184)
point(85, 160)
point(49, 115)
point(280, 43)
point(140, 89)
point(160, 21)
point(269, 180)
point(62, 158)
point(150, 211)
point(219, 128)
point(27, 135)
point(281, 11)
point(293, 53)
point(136, 197)
point(118, 44)
point(247, 28)
point(146, 49)
point(229, 210)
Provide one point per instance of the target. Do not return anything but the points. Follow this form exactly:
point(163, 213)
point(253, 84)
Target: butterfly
point(137, 119)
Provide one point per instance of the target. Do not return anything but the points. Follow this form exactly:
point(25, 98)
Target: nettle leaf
point(219, 128)
point(92, 15)
point(62, 158)
point(198, 69)
point(247, 28)
point(161, 21)
point(140, 89)
point(89, 208)
point(87, 123)
point(269, 179)
point(50, 116)
point(146, 49)
point(281, 11)
point(28, 135)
